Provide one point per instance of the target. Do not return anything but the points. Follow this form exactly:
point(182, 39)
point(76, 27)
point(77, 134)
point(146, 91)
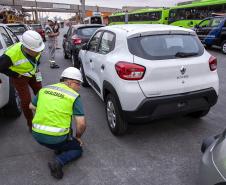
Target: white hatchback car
point(144, 72)
point(9, 99)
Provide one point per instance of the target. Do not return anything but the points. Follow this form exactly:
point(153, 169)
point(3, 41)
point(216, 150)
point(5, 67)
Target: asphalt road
point(164, 152)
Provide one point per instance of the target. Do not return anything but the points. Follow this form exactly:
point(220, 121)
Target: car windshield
point(17, 29)
point(165, 46)
point(87, 32)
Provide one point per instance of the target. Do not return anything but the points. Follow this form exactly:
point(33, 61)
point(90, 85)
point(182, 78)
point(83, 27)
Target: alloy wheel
point(111, 114)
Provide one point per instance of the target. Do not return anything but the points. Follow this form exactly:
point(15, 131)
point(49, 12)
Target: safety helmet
point(72, 73)
point(32, 40)
point(51, 19)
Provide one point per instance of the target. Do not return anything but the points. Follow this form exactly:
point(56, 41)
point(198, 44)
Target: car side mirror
point(65, 36)
point(85, 47)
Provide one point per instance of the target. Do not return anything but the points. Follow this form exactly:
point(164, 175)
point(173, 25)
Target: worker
point(19, 62)
point(51, 39)
point(55, 107)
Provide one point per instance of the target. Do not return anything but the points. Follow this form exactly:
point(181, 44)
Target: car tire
point(13, 108)
point(85, 82)
point(116, 123)
point(223, 47)
point(65, 55)
point(199, 114)
point(75, 63)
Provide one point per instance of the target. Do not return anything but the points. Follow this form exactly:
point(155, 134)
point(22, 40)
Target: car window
point(165, 46)
point(1, 46)
point(13, 36)
point(93, 44)
point(6, 37)
point(87, 32)
point(18, 29)
point(205, 23)
point(106, 43)
point(216, 21)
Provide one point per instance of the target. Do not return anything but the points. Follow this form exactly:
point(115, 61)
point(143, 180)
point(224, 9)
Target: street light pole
point(36, 12)
point(83, 9)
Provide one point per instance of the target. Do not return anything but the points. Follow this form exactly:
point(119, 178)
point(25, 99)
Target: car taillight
point(76, 40)
point(129, 71)
point(213, 63)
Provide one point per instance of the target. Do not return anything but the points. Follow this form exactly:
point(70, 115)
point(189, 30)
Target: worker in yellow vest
point(20, 63)
point(55, 107)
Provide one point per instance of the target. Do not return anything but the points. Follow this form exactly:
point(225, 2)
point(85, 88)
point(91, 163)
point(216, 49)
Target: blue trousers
point(69, 150)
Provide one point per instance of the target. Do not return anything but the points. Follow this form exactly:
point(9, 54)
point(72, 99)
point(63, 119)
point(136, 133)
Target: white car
point(144, 72)
point(9, 99)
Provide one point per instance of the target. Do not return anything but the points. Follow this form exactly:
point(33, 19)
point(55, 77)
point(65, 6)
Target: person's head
point(32, 43)
point(72, 77)
point(51, 21)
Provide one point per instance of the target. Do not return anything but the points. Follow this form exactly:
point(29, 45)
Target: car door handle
point(90, 61)
point(102, 67)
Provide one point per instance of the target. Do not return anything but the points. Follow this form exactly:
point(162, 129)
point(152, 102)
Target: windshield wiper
point(183, 54)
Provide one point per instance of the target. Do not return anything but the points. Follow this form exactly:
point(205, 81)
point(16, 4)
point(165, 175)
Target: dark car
point(212, 31)
point(76, 36)
point(39, 29)
point(18, 29)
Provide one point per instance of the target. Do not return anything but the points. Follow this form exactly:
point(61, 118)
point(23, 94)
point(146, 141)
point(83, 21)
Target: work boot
point(56, 169)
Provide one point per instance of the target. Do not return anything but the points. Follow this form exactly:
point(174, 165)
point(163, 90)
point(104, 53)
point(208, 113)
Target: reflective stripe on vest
point(49, 129)
point(62, 90)
point(21, 62)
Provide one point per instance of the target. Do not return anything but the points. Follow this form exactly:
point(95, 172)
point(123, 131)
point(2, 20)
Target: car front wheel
point(85, 82)
point(116, 123)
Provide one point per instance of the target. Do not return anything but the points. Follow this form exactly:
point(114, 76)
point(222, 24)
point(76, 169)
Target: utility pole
point(36, 12)
point(83, 10)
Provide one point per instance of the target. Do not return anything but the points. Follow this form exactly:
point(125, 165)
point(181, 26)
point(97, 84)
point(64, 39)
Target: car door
point(68, 41)
point(203, 29)
point(89, 58)
point(100, 64)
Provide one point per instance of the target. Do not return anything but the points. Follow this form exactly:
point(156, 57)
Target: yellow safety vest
point(21, 64)
point(54, 110)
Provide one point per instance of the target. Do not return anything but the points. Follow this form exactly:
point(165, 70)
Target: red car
point(39, 29)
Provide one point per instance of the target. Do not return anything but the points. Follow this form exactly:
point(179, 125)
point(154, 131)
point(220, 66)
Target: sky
point(112, 4)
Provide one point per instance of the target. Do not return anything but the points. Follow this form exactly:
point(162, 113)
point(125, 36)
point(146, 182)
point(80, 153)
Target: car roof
point(15, 24)
point(134, 30)
point(4, 25)
point(87, 25)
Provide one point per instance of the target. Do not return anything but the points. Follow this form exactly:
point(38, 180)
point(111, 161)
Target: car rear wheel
point(74, 61)
point(13, 108)
point(116, 123)
point(85, 82)
point(65, 55)
point(199, 114)
point(223, 47)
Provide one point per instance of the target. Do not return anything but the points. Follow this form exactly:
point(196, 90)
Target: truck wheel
point(13, 108)
point(223, 47)
point(116, 123)
point(199, 114)
point(85, 82)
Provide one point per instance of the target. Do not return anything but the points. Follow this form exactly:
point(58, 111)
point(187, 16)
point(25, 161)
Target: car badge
point(182, 70)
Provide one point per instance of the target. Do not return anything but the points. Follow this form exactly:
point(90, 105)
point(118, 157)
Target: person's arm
point(5, 63)
point(79, 119)
point(32, 107)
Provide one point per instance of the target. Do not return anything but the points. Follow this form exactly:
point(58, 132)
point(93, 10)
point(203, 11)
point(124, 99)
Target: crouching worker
point(55, 105)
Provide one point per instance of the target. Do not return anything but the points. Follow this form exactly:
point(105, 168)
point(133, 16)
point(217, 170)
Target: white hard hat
point(72, 73)
point(32, 40)
point(51, 19)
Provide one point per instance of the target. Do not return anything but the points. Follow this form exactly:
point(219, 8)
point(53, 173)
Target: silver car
point(213, 163)
point(9, 99)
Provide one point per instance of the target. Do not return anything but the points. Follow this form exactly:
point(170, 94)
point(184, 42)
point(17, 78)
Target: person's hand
point(80, 141)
